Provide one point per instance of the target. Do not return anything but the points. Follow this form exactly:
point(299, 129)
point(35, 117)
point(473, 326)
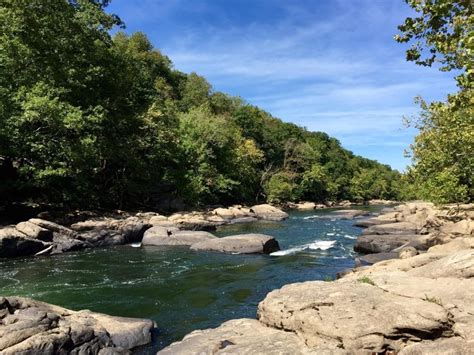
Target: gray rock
point(459, 264)
point(375, 258)
point(392, 228)
point(240, 244)
point(13, 243)
point(407, 252)
point(385, 243)
point(239, 336)
point(34, 231)
point(102, 238)
point(354, 316)
point(268, 212)
point(160, 236)
point(32, 327)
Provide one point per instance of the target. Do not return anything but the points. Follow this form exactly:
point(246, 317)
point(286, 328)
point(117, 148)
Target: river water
point(180, 289)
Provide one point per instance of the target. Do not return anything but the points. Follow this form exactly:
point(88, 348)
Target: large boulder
point(368, 244)
point(32, 327)
point(240, 244)
point(268, 212)
point(239, 336)
point(54, 227)
point(13, 243)
point(160, 236)
point(102, 238)
point(355, 316)
point(34, 231)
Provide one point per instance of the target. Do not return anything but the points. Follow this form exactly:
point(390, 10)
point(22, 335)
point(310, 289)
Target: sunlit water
point(180, 289)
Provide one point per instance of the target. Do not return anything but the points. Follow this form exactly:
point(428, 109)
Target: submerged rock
point(33, 327)
point(240, 244)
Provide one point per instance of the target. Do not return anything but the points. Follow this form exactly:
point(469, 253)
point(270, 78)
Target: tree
point(442, 152)
point(444, 30)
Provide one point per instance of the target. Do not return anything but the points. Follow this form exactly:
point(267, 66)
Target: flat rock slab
point(239, 336)
point(341, 214)
point(369, 244)
point(355, 316)
point(240, 244)
point(377, 257)
point(159, 236)
point(459, 264)
point(33, 327)
point(392, 228)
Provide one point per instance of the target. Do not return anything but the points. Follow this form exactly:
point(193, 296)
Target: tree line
point(88, 119)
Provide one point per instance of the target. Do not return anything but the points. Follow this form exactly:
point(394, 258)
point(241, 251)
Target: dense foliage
point(443, 151)
point(87, 119)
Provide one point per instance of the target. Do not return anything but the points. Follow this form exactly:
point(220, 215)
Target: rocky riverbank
point(32, 327)
point(419, 303)
point(39, 236)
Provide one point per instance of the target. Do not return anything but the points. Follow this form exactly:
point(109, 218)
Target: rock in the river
point(268, 212)
point(355, 316)
point(13, 243)
point(240, 244)
point(102, 238)
point(239, 336)
point(164, 236)
point(34, 231)
point(54, 227)
point(32, 327)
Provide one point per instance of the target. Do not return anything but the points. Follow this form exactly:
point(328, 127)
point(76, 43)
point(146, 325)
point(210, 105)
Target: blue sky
point(328, 65)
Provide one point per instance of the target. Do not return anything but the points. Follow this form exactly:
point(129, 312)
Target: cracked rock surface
point(33, 327)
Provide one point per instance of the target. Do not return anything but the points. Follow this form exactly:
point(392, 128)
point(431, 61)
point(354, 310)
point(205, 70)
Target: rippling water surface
point(180, 289)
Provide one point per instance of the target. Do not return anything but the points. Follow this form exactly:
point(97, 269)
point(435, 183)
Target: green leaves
point(443, 162)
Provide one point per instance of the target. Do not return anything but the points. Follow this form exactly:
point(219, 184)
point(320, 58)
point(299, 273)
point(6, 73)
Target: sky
point(327, 65)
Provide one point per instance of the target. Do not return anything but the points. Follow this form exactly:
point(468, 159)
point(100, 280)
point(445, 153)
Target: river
point(180, 289)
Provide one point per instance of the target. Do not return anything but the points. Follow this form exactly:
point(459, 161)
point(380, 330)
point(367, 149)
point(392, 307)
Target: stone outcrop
point(33, 327)
point(240, 244)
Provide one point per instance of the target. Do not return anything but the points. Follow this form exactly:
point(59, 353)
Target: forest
point(93, 117)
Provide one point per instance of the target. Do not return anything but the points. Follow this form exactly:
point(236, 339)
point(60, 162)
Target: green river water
point(180, 289)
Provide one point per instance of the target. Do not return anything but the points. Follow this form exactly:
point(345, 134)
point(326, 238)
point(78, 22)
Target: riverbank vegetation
point(442, 35)
point(90, 119)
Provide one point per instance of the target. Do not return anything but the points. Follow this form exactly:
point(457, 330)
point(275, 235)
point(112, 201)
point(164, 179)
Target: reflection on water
point(180, 289)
